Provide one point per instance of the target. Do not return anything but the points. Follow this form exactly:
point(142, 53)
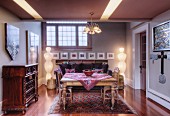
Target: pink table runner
point(88, 82)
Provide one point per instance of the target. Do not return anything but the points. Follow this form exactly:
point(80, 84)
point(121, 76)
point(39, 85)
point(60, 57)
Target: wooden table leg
point(64, 95)
point(112, 99)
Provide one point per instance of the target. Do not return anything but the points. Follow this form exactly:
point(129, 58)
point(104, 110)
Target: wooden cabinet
point(20, 86)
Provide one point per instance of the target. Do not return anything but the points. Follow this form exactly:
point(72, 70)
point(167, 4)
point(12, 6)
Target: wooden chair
point(69, 93)
point(105, 89)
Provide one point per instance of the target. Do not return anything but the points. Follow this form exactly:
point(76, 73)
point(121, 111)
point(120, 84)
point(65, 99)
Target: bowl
point(88, 72)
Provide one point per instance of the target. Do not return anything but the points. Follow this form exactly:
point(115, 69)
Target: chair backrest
point(116, 73)
point(59, 76)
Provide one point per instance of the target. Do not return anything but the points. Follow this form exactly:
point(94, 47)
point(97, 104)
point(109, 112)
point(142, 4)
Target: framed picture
point(32, 47)
point(11, 40)
point(73, 55)
point(55, 55)
point(161, 37)
point(82, 55)
point(63, 55)
point(100, 55)
point(110, 55)
point(91, 56)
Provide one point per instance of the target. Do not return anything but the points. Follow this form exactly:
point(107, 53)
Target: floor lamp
point(48, 66)
point(122, 63)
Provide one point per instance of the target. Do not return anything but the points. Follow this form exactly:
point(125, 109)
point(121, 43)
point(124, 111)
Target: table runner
point(88, 82)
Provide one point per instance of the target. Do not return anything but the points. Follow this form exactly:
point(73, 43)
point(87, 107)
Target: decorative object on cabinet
point(110, 56)
point(82, 55)
point(32, 47)
point(73, 55)
point(48, 63)
point(33, 55)
point(161, 37)
point(100, 55)
point(91, 56)
point(20, 86)
point(55, 56)
point(63, 55)
point(11, 40)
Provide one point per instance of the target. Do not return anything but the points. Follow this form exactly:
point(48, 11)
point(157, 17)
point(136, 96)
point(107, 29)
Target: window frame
point(57, 47)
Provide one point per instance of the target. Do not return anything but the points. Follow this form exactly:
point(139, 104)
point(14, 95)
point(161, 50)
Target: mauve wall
point(155, 68)
point(6, 17)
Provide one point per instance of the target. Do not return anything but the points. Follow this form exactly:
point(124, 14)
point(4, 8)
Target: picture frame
point(82, 55)
point(91, 55)
point(73, 55)
point(161, 37)
point(101, 55)
point(55, 56)
point(110, 56)
point(32, 47)
point(12, 40)
point(63, 55)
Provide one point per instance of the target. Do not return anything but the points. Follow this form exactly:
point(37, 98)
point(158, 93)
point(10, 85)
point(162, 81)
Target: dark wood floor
point(135, 98)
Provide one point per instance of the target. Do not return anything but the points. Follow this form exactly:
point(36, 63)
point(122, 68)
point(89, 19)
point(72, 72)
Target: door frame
point(136, 55)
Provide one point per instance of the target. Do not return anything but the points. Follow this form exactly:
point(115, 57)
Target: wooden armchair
point(69, 93)
point(108, 88)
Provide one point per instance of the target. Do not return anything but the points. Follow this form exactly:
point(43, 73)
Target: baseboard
point(159, 100)
point(41, 81)
point(1, 113)
point(129, 82)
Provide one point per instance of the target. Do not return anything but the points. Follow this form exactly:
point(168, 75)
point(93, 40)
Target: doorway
point(136, 82)
point(143, 61)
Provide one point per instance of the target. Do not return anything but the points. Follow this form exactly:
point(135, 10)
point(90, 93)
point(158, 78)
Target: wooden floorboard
point(135, 98)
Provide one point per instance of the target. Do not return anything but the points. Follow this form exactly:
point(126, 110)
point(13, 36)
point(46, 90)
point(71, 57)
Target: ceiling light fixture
point(92, 28)
point(111, 7)
point(23, 4)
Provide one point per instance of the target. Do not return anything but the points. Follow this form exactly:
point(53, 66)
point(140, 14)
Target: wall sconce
point(122, 63)
point(48, 63)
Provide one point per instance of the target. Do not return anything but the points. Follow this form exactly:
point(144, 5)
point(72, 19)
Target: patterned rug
point(90, 102)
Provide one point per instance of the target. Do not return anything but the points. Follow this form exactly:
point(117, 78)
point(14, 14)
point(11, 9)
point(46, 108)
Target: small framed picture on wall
point(110, 56)
point(101, 55)
point(91, 56)
point(82, 55)
point(55, 55)
point(73, 55)
point(64, 55)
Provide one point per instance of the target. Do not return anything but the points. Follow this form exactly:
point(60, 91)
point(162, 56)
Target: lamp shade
point(122, 56)
point(122, 66)
point(122, 63)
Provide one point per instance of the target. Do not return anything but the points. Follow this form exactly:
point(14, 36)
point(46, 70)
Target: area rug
point(90, 102)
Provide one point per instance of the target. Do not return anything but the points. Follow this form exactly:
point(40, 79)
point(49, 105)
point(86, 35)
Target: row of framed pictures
point(82, 55)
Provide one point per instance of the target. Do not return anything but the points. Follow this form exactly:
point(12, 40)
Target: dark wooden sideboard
point(20, 86)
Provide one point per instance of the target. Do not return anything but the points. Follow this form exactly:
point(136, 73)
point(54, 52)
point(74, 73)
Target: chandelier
point(92, 28)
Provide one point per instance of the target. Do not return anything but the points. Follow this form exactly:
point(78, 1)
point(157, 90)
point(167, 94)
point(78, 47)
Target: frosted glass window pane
point(51, 36)
point(60, 43)
point(60, 28)
point(48, 43)
point(64, 43)
point(66, 35)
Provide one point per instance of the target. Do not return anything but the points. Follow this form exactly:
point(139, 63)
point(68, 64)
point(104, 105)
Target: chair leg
point(71, 96)
point(60, 96)
point(116, 94)
point(104, 96)
point(102, 92)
